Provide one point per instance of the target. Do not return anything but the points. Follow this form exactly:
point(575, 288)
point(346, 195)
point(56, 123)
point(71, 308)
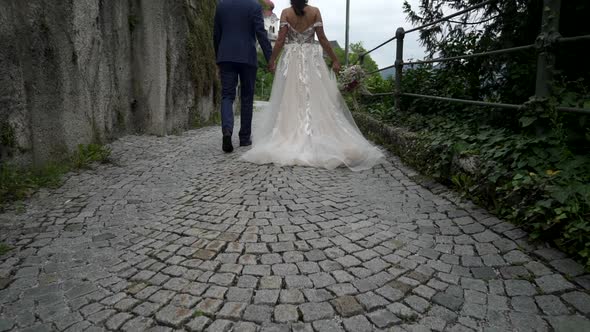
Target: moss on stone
point(201, 52)
point(200, 122)
point(133, 22)
point(4, 249)
point(17, 182)
point(7, 140)
point(7, 135)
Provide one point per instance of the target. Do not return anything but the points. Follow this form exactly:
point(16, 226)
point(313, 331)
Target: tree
point(501, 24)
point(356, 49)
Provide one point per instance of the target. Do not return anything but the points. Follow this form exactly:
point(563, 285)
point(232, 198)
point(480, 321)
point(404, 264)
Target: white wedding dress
point(307, 121)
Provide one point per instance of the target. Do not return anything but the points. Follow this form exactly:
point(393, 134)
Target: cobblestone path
point(176, 235)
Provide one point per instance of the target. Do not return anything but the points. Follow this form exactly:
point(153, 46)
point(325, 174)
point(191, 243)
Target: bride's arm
point(280, 43)
point(328, 48)
point(326, 44)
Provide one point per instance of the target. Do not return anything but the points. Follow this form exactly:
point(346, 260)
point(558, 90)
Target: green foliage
point(356, 49)
point(4, 249)
point(264, 79)
point(18, 183)
point(380, 106)
point(88, 154)
point(499, 25)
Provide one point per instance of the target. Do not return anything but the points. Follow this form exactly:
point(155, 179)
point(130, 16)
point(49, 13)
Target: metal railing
point(544, 45)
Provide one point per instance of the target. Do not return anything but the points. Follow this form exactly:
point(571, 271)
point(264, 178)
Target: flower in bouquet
point(351, 78)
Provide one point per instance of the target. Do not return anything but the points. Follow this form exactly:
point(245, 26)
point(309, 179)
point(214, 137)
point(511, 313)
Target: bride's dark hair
point(298, 6)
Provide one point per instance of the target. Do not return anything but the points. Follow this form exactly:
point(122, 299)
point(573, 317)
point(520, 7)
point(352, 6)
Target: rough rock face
point(88, 71)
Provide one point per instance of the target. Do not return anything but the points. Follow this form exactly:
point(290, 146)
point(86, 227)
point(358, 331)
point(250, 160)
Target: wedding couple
point(307, 122)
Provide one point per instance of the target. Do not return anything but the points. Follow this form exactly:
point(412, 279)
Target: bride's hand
point(336, 67)
point(272, 67)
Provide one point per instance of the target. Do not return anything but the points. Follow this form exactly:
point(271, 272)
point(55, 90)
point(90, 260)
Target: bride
point(307, 122)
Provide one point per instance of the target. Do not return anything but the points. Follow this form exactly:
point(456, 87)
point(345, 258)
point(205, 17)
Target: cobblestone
point(269, 297)
point(285, 313)
point(172, 315)
point(347, 306)
point(178, 233)
point(291, 296)
point(232, 311)
point(115, 322)
point(383, 318)
point(198, 324)
point(258, 313)
point(357, 324)
point(519, 287)
point(327, 325)
point(316, 311)
point(553, 283)
point(579, 300)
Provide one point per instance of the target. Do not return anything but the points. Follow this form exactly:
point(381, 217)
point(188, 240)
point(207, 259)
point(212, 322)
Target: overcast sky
point(371, 21)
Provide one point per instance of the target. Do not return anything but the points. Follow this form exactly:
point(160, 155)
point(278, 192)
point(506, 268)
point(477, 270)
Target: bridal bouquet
point(351, 78)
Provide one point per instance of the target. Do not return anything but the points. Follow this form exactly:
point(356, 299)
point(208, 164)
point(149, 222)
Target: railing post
point(347, 47)
point(544, 44)
point(399, 67)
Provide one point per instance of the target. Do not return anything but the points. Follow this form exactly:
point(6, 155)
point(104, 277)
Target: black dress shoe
point(227, 146)
point(246, 143)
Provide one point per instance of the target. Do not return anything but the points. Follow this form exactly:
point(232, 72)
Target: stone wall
point(403, 143)
point(88, 71)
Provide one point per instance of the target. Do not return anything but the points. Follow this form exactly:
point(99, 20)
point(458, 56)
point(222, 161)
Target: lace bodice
point(304, 37)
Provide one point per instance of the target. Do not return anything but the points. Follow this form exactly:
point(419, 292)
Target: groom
point(238, 23)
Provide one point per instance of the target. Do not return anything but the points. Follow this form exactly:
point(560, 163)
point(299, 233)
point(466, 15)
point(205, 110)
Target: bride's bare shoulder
point(313, 9)
point(287, 11)
point(314, 12)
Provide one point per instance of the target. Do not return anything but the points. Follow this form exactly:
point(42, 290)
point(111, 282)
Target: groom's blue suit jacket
point(238, 23)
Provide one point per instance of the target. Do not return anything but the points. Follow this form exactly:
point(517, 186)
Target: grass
point(88, 154)
point(529, 277)
point(20, 208)
point(409, 319)
point(4, 249)
point(214, 120)
point(18, 183)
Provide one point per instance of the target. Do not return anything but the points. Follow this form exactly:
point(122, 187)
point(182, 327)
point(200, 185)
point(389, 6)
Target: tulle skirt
point(307, 121)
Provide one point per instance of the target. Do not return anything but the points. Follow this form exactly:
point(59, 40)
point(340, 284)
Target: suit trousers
point(230, 72)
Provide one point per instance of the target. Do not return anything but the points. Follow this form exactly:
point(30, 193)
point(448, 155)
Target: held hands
point(272, 67)
point(336, 67)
